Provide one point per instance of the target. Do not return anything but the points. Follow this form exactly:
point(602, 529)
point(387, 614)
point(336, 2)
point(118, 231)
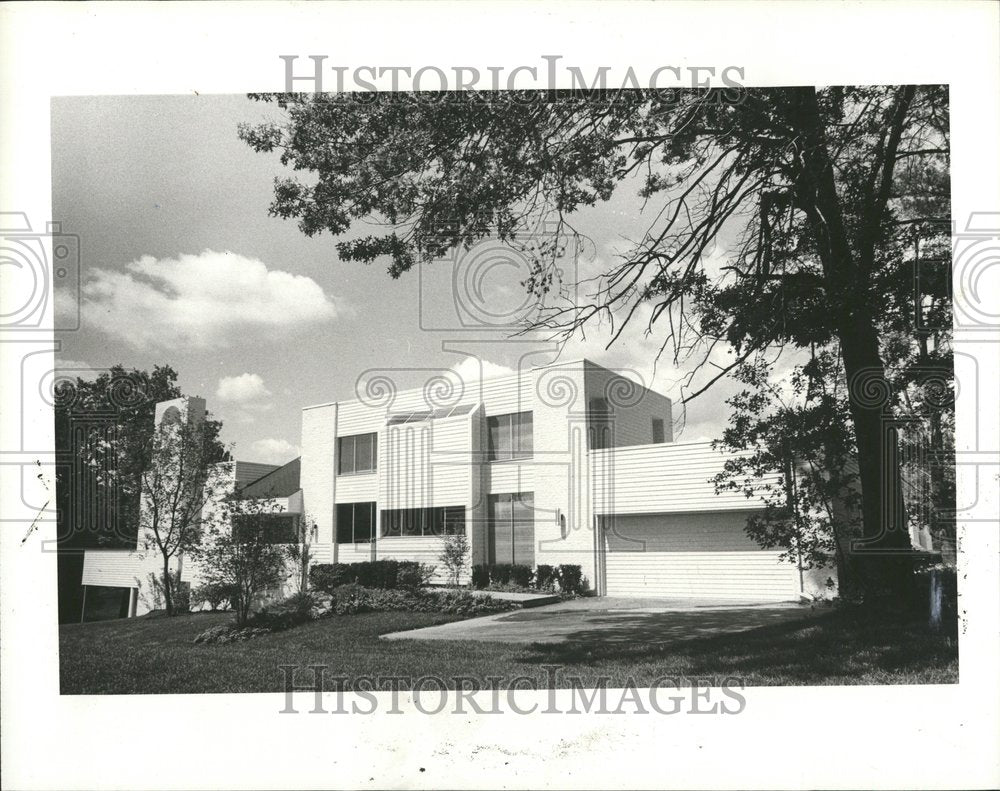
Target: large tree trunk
point(883, 554)
point(883, 557)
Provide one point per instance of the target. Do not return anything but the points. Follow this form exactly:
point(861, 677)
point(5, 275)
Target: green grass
point(157, 655)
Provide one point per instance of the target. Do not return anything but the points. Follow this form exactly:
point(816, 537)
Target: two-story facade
point(568, 463)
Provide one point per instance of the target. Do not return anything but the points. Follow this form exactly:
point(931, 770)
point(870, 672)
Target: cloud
point(245, 397)
point(241, 389)
point(200, 300)
point(473, 369)
point(274, 451)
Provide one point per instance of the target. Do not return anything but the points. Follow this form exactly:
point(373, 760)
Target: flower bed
point(350, 599)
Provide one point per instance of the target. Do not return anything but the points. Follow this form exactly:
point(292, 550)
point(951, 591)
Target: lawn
point(157, 655)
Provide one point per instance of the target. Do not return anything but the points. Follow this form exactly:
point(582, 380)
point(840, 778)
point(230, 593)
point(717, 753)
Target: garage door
point(692, 555)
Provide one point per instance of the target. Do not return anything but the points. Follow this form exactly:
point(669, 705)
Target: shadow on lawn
point(797, 647)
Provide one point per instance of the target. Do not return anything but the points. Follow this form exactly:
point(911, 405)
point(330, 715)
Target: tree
point(116, 407)
point(455, 556)
point(245, 550)
point(98, 492)
point(801, 430)
point(804, 182)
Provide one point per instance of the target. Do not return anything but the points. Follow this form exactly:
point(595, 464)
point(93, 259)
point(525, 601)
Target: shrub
point(214, 594)
point(230, 633)
point(327, 576)
point(520, 575)
point(480, 576)
point(382, 574)
point(385, 574)
point(413, 574)
point(454, 556)
point(350, 599)
point(570, 578)
point(500, 573)
point(545, 577)
point(301, 603)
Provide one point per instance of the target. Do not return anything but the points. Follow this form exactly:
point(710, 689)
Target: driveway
point(610, 620)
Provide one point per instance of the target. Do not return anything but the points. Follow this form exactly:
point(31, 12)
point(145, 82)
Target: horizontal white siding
point(664, 478)
point(693, 555)
point(321, 553)
point(353, 553)
point(120, 568)
point(357, 488)
point(426, 464)
point(500, 395)
point(511, 477)
point(423, 549)
point(354, 417)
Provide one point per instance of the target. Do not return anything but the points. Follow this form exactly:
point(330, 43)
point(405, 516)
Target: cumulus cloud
point(241, 389)
point(244, 397)
point(473, 369)
point(199, 300)
point(274, 451)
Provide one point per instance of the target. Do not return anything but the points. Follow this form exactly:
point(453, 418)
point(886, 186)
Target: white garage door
point(692, 555)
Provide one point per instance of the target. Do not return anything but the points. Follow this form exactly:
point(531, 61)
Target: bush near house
point(546, 577)
point(480, 576)
point(505, 576)
point(385, 574)
point(214, 594)
point(570, 579)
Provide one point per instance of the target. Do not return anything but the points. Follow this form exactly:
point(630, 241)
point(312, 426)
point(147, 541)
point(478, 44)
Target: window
point(419, 416)
point(358, 453)
point(657, 430)
point(355, 522)
point(510, 436)
point(440, 521)
point(512, 528)
point(267, 528)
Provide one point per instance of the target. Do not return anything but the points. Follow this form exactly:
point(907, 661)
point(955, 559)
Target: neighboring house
point(566, 464)
point(139, 570)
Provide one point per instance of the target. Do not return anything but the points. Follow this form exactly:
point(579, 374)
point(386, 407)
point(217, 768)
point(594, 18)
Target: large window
point(358, 453)
point(267, 528)
point(512, 528)
point(355, 522)
point(442, 521)
point(510, 436)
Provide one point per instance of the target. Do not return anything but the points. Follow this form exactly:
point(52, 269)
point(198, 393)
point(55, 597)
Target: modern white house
point(569, 463)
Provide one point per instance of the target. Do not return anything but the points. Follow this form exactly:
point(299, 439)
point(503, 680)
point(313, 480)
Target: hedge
point(569, 577)
point(386, 574)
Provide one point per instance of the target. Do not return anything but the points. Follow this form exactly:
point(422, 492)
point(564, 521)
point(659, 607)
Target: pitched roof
point(281, 482)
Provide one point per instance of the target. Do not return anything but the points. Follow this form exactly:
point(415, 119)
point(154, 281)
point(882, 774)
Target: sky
point(180, 264)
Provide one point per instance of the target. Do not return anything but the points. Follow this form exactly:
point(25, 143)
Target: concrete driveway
point(611, 620)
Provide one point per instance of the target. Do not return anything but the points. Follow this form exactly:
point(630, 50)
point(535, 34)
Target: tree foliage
point(118, 408)
point(238, 552)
